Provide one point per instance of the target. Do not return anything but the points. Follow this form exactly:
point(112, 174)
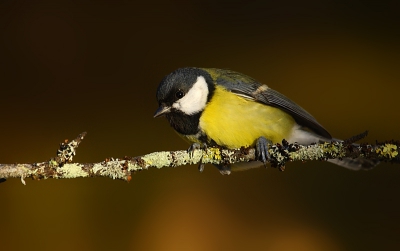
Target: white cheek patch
point(195, 100)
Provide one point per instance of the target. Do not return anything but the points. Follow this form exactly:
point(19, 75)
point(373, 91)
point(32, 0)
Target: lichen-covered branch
point(61, 167)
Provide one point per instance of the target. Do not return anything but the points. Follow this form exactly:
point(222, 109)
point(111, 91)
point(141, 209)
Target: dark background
point(73, 66)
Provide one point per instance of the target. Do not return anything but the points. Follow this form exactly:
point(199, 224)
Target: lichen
point(70, 171)
point(111, 168)
point(388, 151)
point(312, 152)
point(213, 153)
point(156, 159)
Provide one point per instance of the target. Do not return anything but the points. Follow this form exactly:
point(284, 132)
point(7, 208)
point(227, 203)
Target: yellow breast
point(232, 121)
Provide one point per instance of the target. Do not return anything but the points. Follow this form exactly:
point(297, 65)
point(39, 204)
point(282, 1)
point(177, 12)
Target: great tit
point(220, 107)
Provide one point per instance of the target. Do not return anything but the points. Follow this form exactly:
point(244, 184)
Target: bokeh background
point(73, 66)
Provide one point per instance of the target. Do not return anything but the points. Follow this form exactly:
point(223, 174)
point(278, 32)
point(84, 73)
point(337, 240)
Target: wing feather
point(247, 87)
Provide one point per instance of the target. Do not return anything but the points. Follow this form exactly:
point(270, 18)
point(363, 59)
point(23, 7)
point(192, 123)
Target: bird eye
point(179, 94)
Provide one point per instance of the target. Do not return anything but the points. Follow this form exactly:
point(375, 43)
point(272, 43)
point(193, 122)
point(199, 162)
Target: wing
point(249, 88)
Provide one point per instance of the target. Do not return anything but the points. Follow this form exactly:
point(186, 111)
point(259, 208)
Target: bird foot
point(262, 150)
point(192, 148)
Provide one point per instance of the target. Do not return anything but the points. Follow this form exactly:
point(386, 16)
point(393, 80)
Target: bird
point(220, 107)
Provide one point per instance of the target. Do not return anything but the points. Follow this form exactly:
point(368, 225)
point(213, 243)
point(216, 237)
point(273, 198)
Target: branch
point(61, 167)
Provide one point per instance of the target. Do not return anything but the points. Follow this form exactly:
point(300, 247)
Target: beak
point(162, 110)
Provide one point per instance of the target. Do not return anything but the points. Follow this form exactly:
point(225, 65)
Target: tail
point(355, 164)
point(306, 138)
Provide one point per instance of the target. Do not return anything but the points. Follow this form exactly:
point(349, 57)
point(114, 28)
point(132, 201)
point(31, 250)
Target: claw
point(224, 169)
point(192, 148)
point(201, 166)
point(262, 149)
point(225, 172)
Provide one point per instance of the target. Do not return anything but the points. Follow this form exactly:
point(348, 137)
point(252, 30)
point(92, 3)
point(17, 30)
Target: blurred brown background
point(73, 66)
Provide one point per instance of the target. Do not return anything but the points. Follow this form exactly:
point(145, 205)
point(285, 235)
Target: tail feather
point(306, 137)
point(355, 164)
